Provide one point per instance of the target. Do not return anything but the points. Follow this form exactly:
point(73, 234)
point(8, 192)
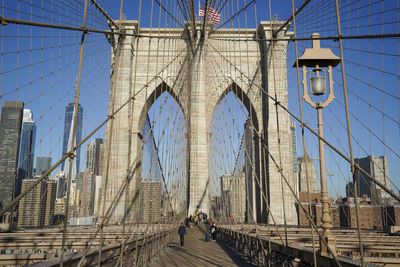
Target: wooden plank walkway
point(197, 252)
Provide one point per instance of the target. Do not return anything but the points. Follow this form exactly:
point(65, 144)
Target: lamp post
point(320, 59)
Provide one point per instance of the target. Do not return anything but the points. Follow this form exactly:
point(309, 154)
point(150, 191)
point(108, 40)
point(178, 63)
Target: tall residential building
point(98, 156)
point(10, 129)
point(74, 201)
point(307, 169)
point(97, 195)
point(87, 193)
point(43, 164)
point(150, 201)
point(69, 115)
point(79, 181)
point(90, 156)
point(37, 207)
point(378, 168)
point(254, 208)
point(32, 205)
point(93, 160)
point(61, 184)
point(26, 148)
point(234, 196)
point(50, 202)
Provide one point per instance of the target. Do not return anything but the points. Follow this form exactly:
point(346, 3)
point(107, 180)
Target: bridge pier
point(144, 73)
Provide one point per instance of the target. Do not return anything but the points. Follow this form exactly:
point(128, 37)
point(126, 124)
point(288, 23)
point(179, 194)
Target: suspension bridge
point(277, 121)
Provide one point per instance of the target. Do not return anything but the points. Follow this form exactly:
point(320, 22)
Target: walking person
point(182, 233)
point(213, 230)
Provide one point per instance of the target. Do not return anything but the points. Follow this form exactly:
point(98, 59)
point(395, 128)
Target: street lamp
point(321, 60)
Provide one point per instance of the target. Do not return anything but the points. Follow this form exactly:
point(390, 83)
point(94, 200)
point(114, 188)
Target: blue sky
point(39, 66)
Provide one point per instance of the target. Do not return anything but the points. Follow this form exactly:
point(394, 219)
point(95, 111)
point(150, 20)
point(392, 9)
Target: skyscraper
point(61, 185)
point(42, 165)
point(93, 158)
point(10, 129)
point(307, 169)
point(50, 202)
point(90, 156)
point(150, 201)
point(98, 156)
point(37, 207)
point(69, 115)
point(26, 148)
point(234, 195)
point(32, 206)
point(97, 195)
point(254, 208)
point(378, 168)
point(86, 201)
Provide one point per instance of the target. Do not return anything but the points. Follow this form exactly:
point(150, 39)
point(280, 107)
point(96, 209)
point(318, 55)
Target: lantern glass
point(318, 85)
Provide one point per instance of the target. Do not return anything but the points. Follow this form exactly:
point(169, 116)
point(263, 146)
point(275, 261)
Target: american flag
point(212, 14)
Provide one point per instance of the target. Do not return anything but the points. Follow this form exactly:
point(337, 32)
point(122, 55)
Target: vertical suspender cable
point(280, 170)
point(74, 128)
point(302, 130)
point(110, 139)
point(353, 171)
point(127, 179)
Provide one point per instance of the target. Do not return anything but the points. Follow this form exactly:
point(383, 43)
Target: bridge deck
point(197, 252)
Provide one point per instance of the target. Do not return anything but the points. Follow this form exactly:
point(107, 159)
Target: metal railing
point(256, 250)
point(137, 252)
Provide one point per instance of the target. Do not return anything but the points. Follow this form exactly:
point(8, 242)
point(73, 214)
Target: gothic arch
point(151, 99)
point(243, 97)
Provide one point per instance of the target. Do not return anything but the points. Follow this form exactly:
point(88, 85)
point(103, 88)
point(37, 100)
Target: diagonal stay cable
point(104, 13)
point(166, 10)
point(67, 155)
point(232, 17)
point(387, 190)
point(292, 191)
point(5, 20)
point(130, 173)
point(132, 169)
point(291, 17)
point(258, 179)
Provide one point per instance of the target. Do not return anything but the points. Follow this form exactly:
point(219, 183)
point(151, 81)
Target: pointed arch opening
point(161, 150)
point(234, 156)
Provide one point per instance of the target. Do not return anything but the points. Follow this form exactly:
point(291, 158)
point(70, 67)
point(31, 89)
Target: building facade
point(99, 156)
point(51, 193)
point(87, 189)
point(253, 183)
point(93, 159)
point(43, 164)
point(90, 156)
point(61, 184)
point(307, 172)
point(378, 168)
point(26, 148)
point(69, 114)
point(198, 101)
point(32, 207)
point(371, 216)
point(234, 193)
point(10, 130)
point(150, 201)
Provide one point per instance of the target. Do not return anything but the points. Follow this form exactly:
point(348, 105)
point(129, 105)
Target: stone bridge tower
point(134, 69)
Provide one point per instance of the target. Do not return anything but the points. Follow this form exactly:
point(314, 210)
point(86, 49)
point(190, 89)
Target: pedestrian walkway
point(197, 252)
